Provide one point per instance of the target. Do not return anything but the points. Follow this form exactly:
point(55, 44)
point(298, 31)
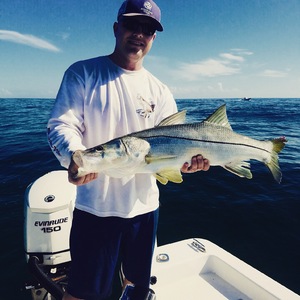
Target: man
point(100, 99)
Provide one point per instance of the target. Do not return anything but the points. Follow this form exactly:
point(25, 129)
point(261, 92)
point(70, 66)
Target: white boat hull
point(186, 270)
point(194, 273)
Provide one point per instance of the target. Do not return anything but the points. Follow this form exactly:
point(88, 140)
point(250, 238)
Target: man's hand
point(72, 175)
point(198, 163)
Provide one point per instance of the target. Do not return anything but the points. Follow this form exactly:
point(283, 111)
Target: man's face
point(134, 36)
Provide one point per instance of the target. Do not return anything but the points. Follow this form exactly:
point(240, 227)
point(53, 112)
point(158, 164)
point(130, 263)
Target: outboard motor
point(49, 204)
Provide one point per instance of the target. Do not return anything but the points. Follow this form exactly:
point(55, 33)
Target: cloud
point(207, 68)
point(232, 57)
point(220, 85)
point(26, 39)
point(5, 92)
point(226, 64)
point(273, 74)
point(64, 35)
point(241, 51)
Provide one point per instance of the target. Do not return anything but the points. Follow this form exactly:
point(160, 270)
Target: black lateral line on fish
point(205, 141)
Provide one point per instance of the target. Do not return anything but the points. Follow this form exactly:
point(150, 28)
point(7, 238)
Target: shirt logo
point(147, 107)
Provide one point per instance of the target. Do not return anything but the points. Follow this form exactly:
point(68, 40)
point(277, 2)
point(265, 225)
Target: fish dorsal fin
point(219, 117)
point(177, 118)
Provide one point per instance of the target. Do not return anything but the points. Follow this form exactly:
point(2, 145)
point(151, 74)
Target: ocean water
point(257, 220)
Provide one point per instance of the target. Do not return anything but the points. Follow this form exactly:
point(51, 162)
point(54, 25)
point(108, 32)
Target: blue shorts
point(96, 244)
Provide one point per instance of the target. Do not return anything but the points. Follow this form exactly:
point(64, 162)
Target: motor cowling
point(49, 205)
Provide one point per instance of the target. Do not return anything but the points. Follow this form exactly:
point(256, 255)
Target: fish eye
point(99, 148)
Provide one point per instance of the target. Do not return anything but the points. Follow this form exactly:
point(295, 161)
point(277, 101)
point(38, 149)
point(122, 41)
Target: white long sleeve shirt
point(98, 101)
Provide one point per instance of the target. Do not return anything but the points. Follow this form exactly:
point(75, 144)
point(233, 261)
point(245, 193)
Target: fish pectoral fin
point(241, 169)
point(150, 159)
point(165, 175)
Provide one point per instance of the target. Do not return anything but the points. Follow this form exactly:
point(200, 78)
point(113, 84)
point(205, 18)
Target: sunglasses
point(134, 25)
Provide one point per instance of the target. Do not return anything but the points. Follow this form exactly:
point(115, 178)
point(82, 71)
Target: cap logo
point(147, 5)
point(147, 8)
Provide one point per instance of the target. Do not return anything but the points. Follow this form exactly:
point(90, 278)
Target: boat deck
point(198, 269)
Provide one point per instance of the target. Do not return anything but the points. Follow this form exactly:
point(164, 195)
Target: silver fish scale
point(205, 132)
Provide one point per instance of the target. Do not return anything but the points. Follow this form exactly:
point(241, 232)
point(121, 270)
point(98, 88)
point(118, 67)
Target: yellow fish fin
point(165, 175)
point(278, 144)
point(240, 169)
point(273, 165)
point(161, 179)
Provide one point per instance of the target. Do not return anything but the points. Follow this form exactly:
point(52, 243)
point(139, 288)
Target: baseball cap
point(148, 8)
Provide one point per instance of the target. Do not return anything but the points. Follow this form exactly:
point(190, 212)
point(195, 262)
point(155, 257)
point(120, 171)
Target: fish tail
point(273, 165)
point(278, 144)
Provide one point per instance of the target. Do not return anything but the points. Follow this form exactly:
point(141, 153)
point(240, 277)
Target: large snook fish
point(162, 150)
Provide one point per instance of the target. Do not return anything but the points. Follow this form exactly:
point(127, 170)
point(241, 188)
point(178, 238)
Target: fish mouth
point(77, 158)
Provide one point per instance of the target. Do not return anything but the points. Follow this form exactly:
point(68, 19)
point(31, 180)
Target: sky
point(208, 49)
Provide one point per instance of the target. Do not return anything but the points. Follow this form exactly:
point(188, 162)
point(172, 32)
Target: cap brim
point(157, 24)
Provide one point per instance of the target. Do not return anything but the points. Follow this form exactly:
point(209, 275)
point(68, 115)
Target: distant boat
point(246, 99)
